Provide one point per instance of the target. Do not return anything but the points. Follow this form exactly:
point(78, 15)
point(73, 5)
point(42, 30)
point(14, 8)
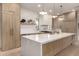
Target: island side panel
point(30, 48)
point(52, 48)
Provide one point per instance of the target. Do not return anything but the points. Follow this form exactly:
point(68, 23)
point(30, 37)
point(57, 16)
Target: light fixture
point(54, 14)
point(43, 12)
point(50, 10)
point(38, 5)
point(61, 18)
point(61, 8)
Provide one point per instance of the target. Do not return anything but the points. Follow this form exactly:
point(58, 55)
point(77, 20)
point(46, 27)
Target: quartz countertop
point(45, 38)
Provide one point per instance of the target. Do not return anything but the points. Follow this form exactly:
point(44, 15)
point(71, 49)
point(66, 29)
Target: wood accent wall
point(10, 26)
point(68, 24)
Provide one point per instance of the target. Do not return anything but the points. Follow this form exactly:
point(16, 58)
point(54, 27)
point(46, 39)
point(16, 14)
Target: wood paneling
point(52, 48)
point(7, 41)
point(16, 27)
point(69, 27)
point(68, 24)
point(10, 26)
point(0, 23)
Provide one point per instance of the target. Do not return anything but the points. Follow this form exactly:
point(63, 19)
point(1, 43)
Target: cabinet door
point(11, 26)
point(16, 27)
point(7, 30)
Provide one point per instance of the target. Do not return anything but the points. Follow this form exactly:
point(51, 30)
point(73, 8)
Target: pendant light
point(43, 12)
point(61, 12)
point(54, 14)
point(61, 8)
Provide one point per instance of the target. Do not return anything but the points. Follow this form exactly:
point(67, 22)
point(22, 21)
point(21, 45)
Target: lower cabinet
point(53, 48)
point(32, 48)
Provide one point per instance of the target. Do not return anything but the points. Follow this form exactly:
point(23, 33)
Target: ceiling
point(50, 6)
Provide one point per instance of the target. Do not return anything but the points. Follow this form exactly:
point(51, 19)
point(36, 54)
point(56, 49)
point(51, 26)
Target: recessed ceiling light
point(50, 10)
point(39, 5)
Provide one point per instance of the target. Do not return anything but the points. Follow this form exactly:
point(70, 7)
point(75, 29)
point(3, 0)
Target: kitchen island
point(45, 44)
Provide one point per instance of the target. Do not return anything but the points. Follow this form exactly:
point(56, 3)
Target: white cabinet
point(45, 20)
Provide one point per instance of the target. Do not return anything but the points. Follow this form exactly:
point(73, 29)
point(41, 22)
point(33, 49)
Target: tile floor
point(69, 51)
point(13, 52)
point(72, 50)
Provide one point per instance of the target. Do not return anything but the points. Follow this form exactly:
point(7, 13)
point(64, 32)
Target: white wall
point(27, 14)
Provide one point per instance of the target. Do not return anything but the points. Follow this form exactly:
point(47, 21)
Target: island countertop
point(45, 38)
